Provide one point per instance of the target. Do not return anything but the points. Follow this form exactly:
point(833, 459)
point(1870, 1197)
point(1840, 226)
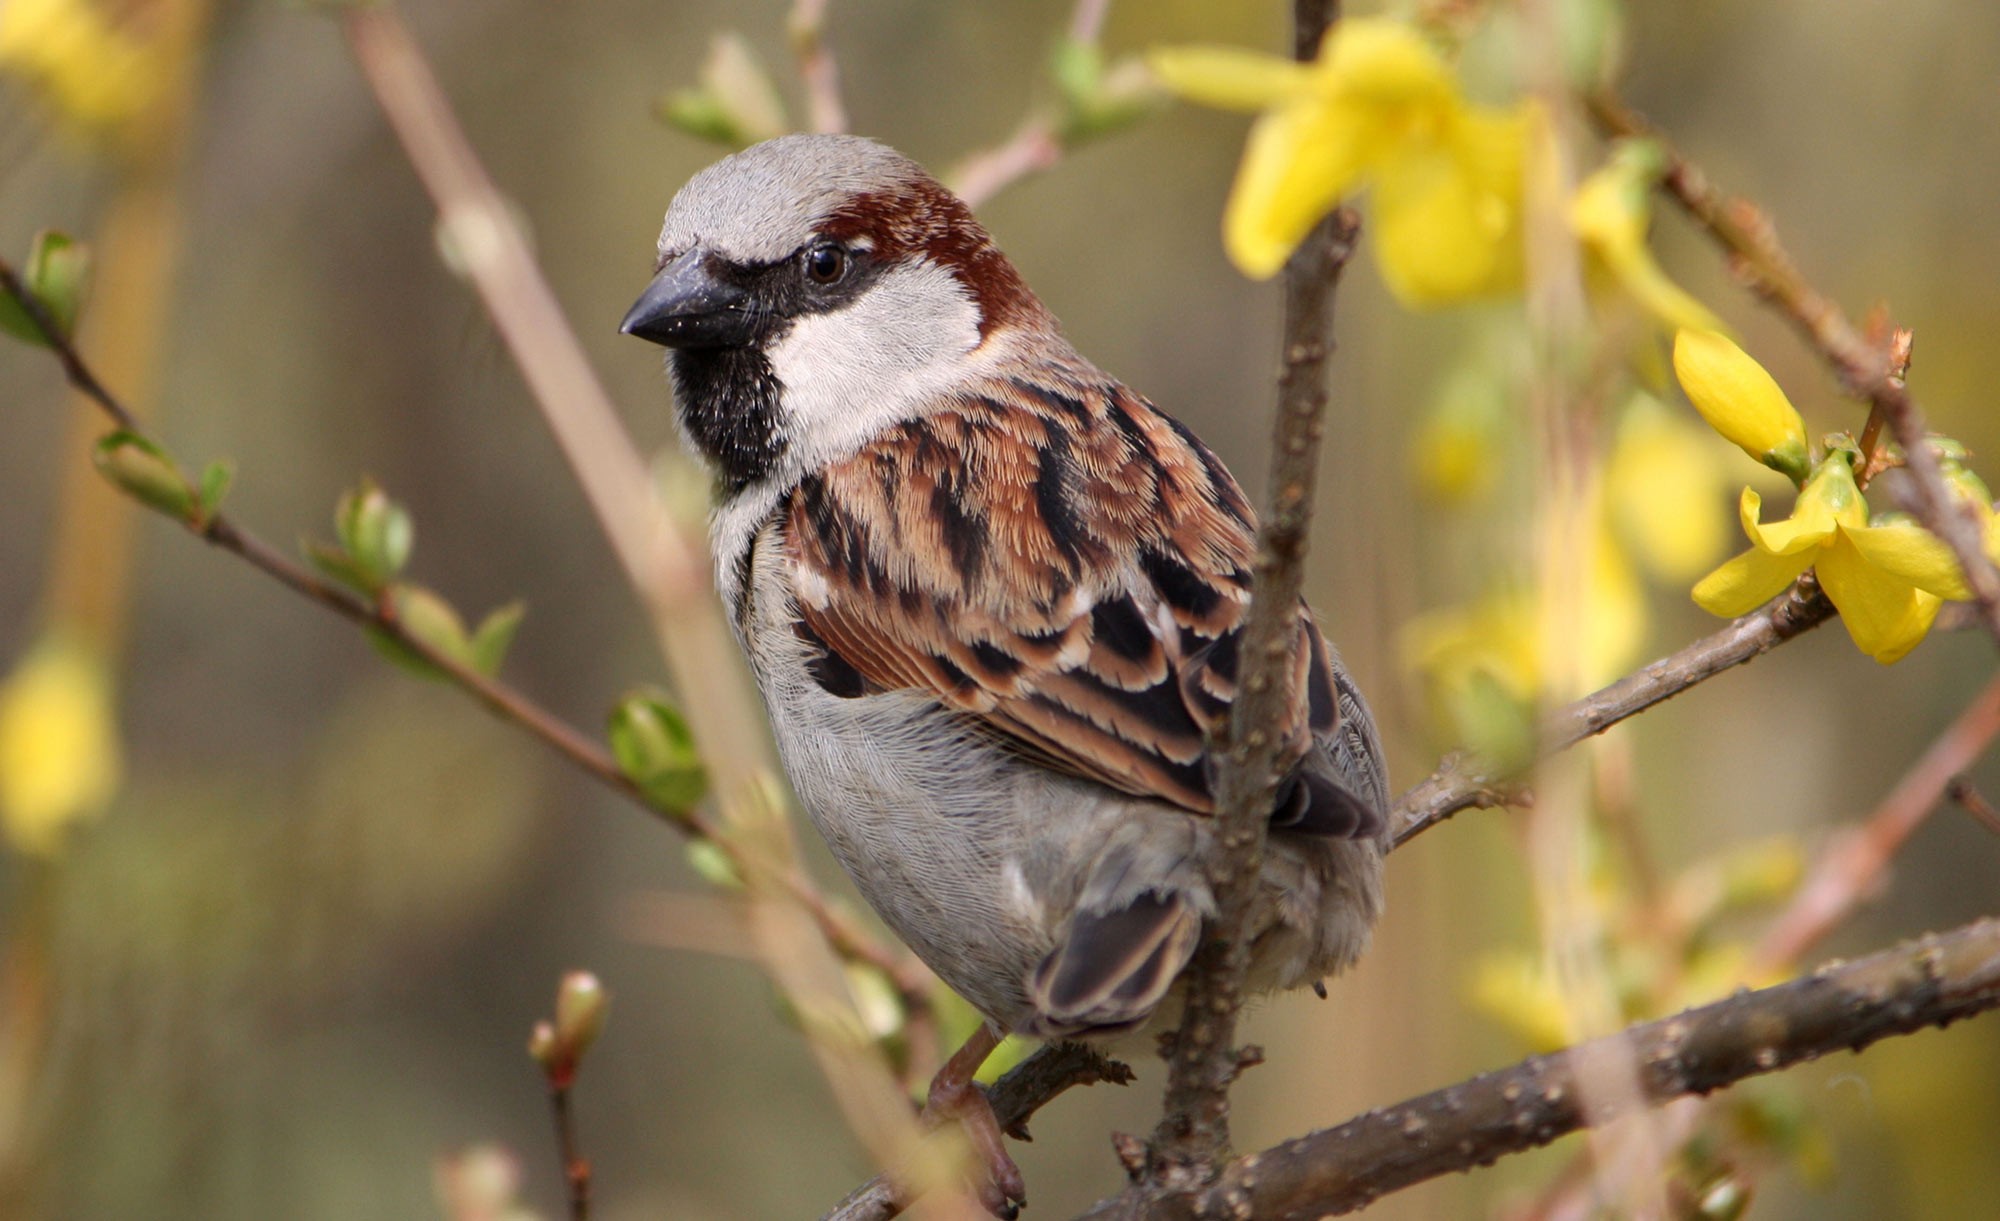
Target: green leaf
point(700, 114)
point(15, 321)
point(1096, 99)
point(55, 276)
point(656, 751)
point(376, 532)
point(708, 860)
point(487, 649)
point(337, 564)
point(216, 479)
point(430, 619)
point(139, 467)
point(58, 273)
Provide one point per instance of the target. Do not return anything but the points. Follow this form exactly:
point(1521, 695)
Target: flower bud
point(1741, 401)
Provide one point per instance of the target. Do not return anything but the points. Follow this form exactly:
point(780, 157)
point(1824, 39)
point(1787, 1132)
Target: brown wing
point(1065, 564)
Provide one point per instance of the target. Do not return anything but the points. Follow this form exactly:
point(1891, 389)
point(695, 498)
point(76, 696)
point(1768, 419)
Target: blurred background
point(295, 960)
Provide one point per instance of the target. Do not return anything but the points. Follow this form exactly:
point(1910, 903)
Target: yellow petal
point(1379, 62)
point(1229, 78)
point(1885, 615)
point(1448, 212)
point(1299, 161)
point(1663, 485)
point(1609, 214)
point(95, 73)
point(1740, 400)
point(59, 757)
point(1748, 581)
point(1615, 619)
point(1911, 554)
point(1810, 525)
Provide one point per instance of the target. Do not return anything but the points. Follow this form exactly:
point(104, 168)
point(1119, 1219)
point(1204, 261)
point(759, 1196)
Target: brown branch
point(1036, 145)
point(1016, 1096)
point(817, 69)
point(1852, 866)
point(1201, 1055)
point(576, 1167)
point(1870, 370)
point(79, 373)
point(1465, 783)
point(1973, 802)
point(1933, 981)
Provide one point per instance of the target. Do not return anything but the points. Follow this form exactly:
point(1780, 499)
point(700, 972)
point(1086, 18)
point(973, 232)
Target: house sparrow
point(992, 599)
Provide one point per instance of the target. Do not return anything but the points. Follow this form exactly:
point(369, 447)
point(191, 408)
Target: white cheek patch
point(890, 355)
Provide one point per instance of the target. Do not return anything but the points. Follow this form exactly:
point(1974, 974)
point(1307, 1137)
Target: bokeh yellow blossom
point(1482, 666)
point(1378, 107)
point(1609, 214)
point(1741, 401)
point(1665, 490)
point(59, 756)
point(95, 73)
point(1887, 579)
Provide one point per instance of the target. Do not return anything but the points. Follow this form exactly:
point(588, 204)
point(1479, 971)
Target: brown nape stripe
point(919, 218)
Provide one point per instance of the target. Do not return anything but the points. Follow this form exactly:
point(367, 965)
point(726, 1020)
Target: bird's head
point(814, 289)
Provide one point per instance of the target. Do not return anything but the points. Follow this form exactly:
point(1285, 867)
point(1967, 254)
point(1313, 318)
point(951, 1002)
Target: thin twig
point(501, 699)
point(74, 368)
point(1870, 370)
point(1933, 981)
point(1973, 802)
point(1465, 783)
point(576, 1167)
point(1849, 870)
point(668, 570)
point(1036, 145)
point(1852, 866)
point(818, 71)
point(1201, 1055)
point(1021, 1091)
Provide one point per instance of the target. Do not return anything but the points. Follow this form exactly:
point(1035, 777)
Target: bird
point(992, 599)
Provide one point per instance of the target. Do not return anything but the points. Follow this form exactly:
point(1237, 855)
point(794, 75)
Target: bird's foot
point(955, 1095)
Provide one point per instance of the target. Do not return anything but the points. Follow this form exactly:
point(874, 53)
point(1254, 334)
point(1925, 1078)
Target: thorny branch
point(1870, 370)
point(1933, 981)
point(1201, 1055)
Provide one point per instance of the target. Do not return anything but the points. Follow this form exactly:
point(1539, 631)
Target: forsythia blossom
point(59, 758)
point(1609, 216)
point(98, 75)
point(1741, 401)
point(1378, 107)
point(1886, 575)
point(1887, 578)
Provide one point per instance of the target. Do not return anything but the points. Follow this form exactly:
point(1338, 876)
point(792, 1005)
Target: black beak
point(686, 306)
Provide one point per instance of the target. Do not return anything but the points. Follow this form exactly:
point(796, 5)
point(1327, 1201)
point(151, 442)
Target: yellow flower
point(1664, 490)
point(59, 758)
point(1886, 579)
point(1378, 106)
point(1483, 667)
point(95, 73)
point(1741, 401)
point(1609, 216)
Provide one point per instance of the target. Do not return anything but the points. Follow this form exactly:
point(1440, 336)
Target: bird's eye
point(826, 263)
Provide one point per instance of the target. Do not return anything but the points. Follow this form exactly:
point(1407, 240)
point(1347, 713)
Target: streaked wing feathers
point(1062, 562)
